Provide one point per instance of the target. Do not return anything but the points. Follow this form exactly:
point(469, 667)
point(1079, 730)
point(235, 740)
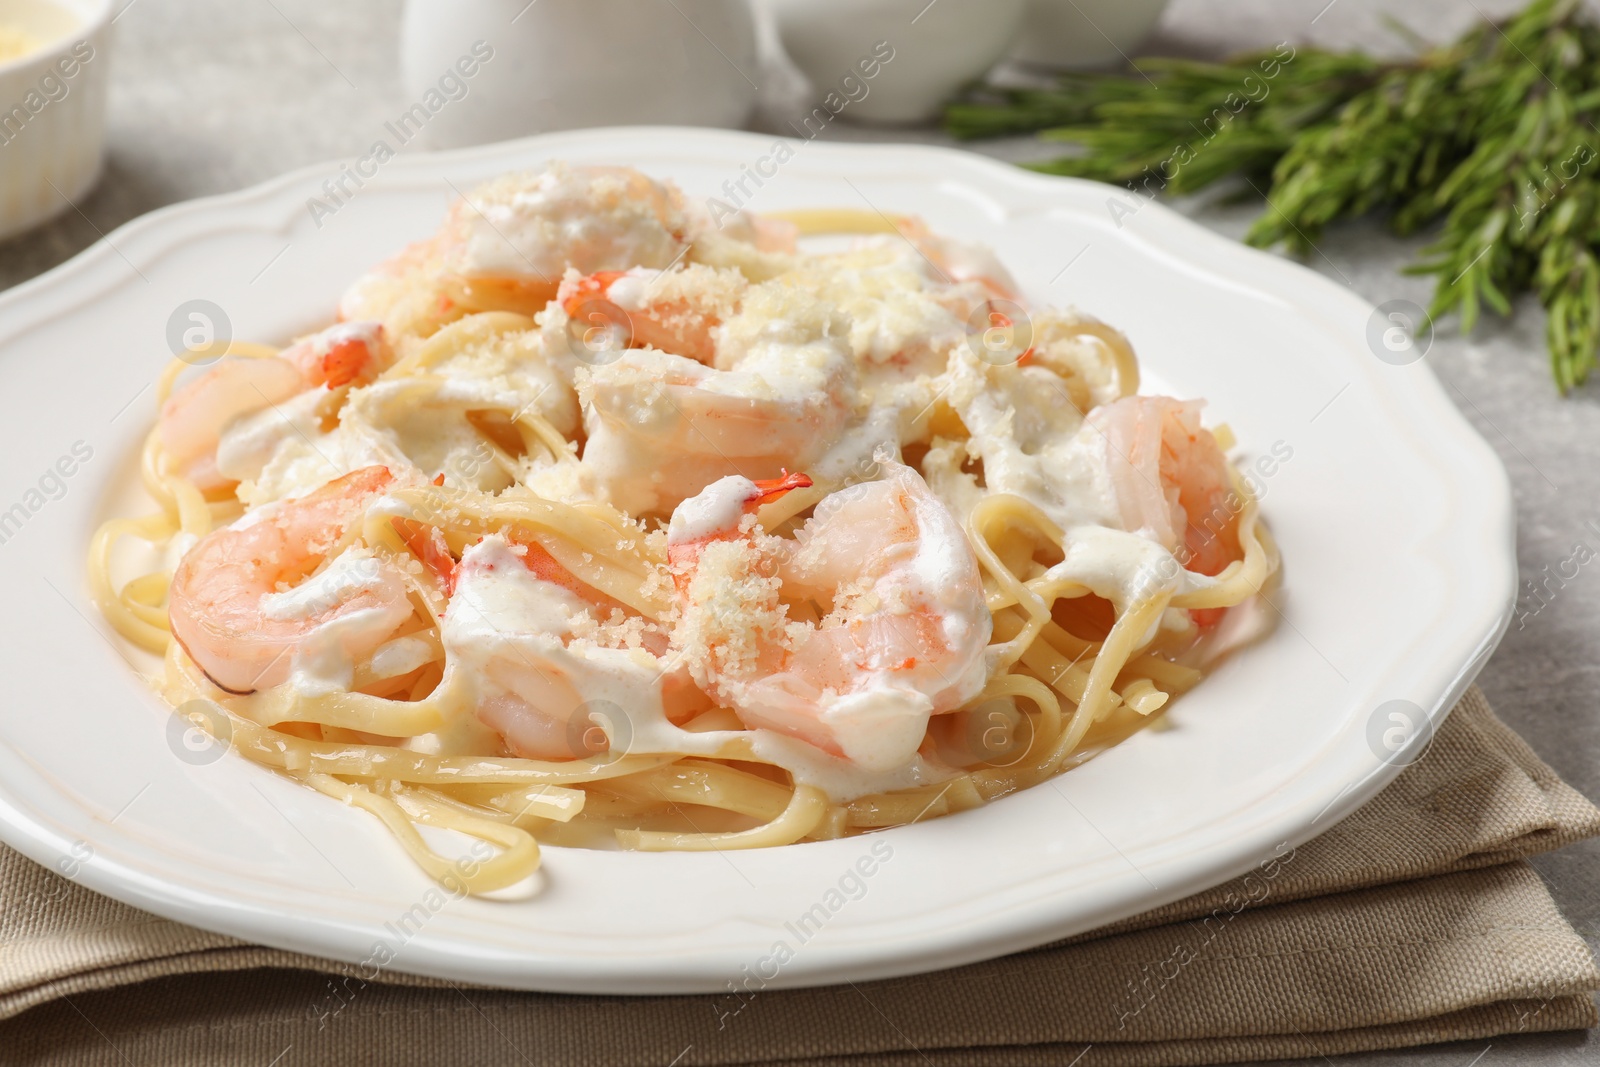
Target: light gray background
point(209, 96)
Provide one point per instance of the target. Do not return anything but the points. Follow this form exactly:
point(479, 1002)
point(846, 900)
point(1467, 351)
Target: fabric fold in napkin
point(1415, 920)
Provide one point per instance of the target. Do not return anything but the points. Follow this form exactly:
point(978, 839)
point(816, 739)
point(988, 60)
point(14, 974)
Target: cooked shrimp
point(507, 245)
point(662, 427)
point(758, 247)
point(243, 608)
point(904, 625)
point(1170, 479)
point(955, 261)
point(550, 659)
point(773, 236)
point(674, 311)
point(193, 418)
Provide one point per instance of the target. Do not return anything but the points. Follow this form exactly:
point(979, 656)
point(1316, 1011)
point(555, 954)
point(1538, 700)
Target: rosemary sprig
point(1241, 115)
point(1493, 139)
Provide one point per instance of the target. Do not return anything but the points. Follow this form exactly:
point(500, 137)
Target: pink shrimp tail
point(770, 489)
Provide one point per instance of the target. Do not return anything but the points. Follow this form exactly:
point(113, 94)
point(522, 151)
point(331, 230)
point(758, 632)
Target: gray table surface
point(208, 97)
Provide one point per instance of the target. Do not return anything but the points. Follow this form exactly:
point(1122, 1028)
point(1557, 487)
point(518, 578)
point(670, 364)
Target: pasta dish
point(600, 516)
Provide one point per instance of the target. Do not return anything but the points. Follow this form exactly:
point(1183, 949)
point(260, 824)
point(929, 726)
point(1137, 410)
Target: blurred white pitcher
point(488, 70)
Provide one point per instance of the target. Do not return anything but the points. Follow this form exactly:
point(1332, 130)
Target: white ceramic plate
point(1394, 519)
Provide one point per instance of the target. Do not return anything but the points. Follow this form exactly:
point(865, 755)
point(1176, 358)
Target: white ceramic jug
point(1084, 34)
point(918, 53)
point(487, 70)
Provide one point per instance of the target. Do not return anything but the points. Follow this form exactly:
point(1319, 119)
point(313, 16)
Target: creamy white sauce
point(717, 508)
point(352, 572)
point(1057, 462)
point(850, 458)
point(879, 729)
point(249, 443)
point(631, 292)
point(323, 660)
point(401, 656)
point(283, 451)
point(843, 780)
point(1119, 566)
point(1125, 568)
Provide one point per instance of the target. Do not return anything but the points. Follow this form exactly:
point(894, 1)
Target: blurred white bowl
point(52, 108)
point(563, 64)
point(935, 48)
point(1084, 33)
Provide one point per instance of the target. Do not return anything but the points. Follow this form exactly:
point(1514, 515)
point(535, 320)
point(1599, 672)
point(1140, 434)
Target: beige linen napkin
point(1415, 920)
